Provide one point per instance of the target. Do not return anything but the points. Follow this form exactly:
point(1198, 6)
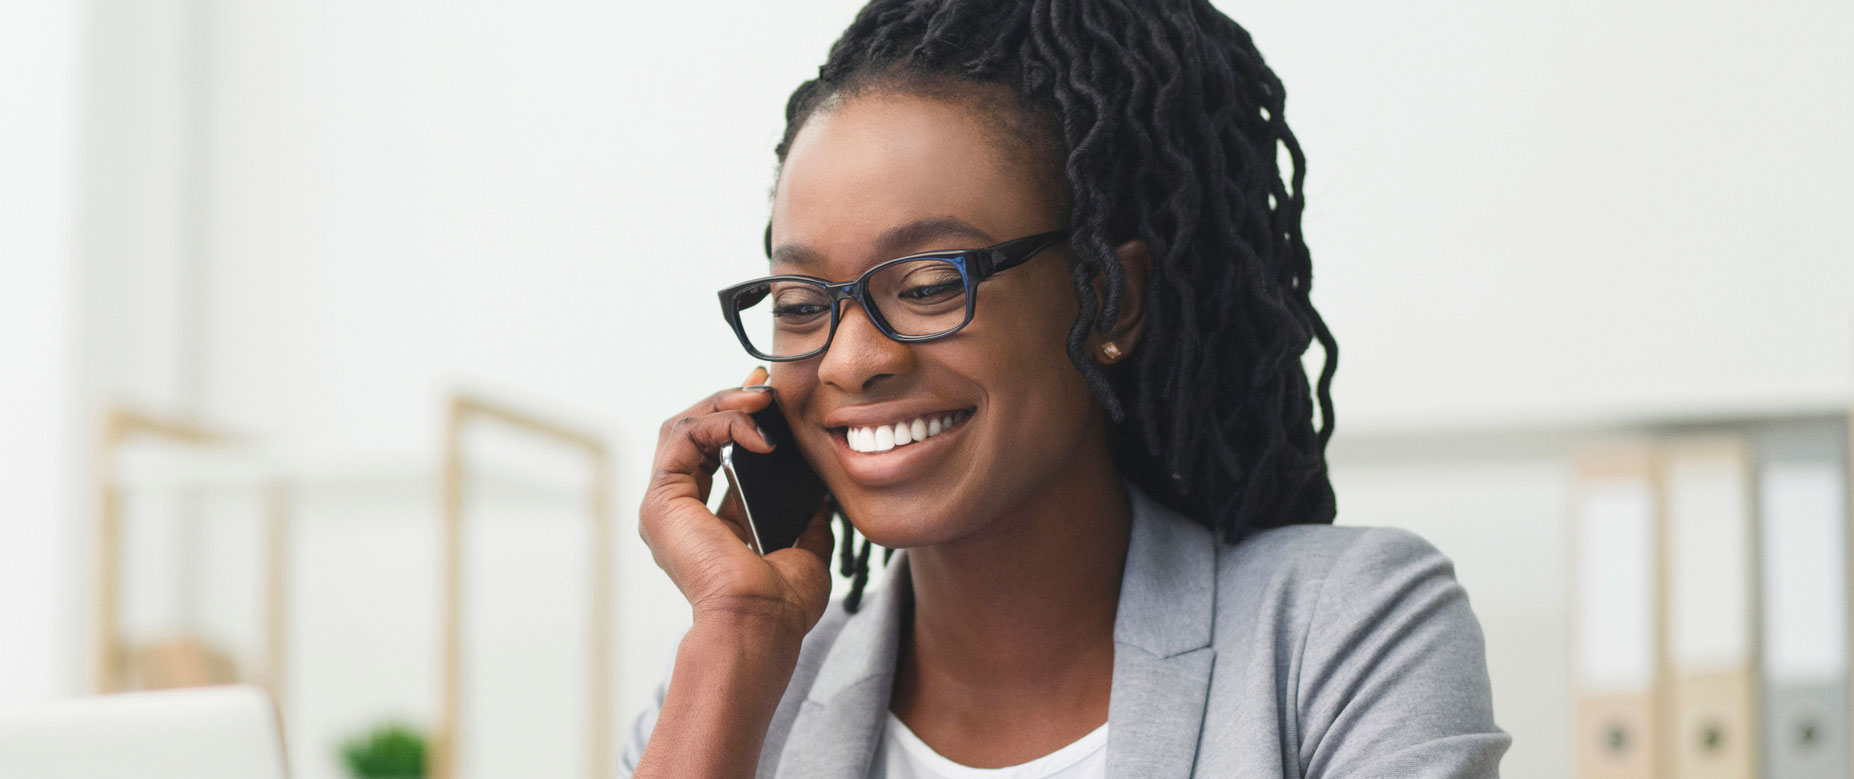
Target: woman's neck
point(1013, 628)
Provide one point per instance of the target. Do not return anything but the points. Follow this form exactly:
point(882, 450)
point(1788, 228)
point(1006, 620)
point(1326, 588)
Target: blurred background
point(322, 321)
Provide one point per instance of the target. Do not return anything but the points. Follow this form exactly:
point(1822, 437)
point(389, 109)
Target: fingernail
point(756, 376)
point(758, 388)
point(765, 437)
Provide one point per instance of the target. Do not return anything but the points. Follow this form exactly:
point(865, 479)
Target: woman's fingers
point(689, 450)
point(746, 400)
point(692, 444)
point(689, 444)
point(750, 396)
point(706, 552)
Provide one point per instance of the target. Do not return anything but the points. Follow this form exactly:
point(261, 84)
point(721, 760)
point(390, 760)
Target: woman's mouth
point(876, 439)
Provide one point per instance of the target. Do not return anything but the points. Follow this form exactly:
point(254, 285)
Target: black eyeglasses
point(910, 299)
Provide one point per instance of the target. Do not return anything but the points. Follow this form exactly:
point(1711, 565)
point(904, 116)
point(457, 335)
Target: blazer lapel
point(835, 733)
point(1162, 644)
point(1162, 661)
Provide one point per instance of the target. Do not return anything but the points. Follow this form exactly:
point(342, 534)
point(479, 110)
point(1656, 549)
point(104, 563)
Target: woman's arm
point(1394, 671)
point(751, 613)
point(727, 680)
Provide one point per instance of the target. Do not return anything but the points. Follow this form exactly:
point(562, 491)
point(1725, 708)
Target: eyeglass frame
point(975, 266)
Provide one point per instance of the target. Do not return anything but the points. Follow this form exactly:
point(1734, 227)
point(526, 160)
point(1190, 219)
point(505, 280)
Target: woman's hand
point(706, 554)
point(751, 612)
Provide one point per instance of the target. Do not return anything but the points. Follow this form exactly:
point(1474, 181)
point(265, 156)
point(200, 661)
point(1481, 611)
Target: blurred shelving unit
point(1502, 500)
point(151, 457)
point(120, 427)
point(467, 411)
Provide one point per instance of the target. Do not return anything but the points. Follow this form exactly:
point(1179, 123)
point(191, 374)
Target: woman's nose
point(859, 353)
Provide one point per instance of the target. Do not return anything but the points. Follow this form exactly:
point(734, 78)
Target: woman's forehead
point(873, 165)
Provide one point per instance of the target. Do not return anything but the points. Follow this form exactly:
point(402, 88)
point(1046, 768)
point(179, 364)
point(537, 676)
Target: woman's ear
point(1130, 321)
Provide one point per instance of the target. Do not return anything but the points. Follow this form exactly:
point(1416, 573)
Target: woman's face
point(880, 176)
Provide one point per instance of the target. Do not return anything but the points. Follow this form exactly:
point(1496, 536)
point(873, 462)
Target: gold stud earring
point(1111, 351)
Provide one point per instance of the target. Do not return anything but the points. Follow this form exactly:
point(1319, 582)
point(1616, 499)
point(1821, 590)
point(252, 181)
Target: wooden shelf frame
point(120, 426)
point(464, 411)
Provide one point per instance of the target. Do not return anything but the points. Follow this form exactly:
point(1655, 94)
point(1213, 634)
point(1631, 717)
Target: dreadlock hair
point(1167, 126)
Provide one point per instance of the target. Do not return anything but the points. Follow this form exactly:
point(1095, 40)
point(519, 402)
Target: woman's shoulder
point(1300, 572)
point(1284, 576)
point(1285, 587)
point(1314, 553)
point(1341, 632)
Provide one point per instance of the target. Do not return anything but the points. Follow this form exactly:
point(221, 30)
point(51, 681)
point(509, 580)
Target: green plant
point(391, 751)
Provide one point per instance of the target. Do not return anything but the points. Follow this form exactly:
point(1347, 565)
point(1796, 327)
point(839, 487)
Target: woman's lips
point(883, 438)
point(897, 462)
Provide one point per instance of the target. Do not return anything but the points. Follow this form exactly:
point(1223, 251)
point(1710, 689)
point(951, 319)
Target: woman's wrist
point(766, 640)
point(731, 670)
point(756, 618)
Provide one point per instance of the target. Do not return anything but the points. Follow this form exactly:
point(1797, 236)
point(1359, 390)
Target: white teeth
point(883, 438)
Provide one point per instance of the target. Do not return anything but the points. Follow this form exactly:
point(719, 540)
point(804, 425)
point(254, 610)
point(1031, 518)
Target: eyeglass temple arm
point(1015, 252)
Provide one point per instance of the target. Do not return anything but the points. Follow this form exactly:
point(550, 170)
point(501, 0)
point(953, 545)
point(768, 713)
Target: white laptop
point(199, 733)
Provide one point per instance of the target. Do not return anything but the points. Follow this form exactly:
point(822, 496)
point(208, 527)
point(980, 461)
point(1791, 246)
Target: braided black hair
point(1168, 127)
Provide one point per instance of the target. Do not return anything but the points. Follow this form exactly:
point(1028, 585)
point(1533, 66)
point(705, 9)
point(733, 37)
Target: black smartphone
point(779, 489)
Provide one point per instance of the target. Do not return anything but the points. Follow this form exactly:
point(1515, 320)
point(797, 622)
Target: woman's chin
point(895, 528)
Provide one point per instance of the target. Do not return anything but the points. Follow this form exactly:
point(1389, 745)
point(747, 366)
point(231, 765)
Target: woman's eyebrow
point(893, 241)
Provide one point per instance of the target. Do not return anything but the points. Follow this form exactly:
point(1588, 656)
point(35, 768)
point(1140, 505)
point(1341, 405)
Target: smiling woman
point(1036, 306)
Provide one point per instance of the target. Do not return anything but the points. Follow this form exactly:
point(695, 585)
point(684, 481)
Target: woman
point(1118, 552)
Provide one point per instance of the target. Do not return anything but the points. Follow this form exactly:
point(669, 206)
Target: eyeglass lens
point(924, 297)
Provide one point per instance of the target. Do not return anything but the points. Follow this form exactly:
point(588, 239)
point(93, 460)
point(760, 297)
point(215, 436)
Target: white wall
point(1549, 212)
point(38, 88)
point(330, 213)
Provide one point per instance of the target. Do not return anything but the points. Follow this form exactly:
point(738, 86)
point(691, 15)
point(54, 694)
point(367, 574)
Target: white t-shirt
point(902, 755)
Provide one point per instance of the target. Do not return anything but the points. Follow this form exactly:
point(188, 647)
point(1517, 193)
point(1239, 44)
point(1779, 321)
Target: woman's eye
point(928, 292)
point(797, 310)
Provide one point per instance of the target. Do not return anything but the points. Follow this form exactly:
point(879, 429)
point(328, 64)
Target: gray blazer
point(1304, 651)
